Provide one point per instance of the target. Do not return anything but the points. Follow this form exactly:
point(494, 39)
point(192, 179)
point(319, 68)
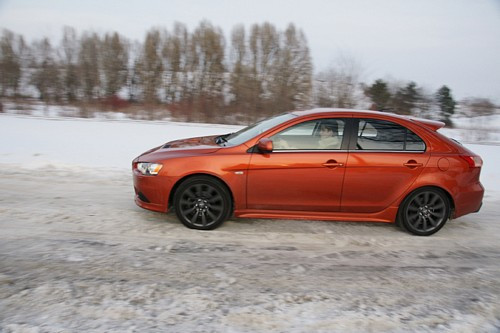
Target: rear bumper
point(479, 207)
point(469, 200)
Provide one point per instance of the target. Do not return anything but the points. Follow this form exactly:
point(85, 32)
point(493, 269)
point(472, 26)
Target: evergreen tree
point(379, 94)
point(446, 104)
point(406, 99)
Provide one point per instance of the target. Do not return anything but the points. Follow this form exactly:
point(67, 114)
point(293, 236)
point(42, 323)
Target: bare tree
point(265, 53)
point(338, 86)
point(477, 106)
point(133, 81)
point(149, 66)
point(10, 66)
point(114, 55)
point(88, 63)
point(245, 85)
point(46, 77)
point(69, 60)
point(208, 47)
point(292, 88)
point(178, 63)
point(269, 71)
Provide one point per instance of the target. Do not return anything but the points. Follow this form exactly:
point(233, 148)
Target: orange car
point(322, 164)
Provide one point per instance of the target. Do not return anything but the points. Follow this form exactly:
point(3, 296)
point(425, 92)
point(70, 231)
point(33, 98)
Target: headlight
point(149, 168)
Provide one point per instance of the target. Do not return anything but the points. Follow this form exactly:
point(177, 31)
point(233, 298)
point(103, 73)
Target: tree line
point(263, 70)
point(199, 75)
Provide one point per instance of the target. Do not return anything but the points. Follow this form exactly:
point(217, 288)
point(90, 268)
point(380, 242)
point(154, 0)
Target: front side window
point(384, 135)
point(319, 134)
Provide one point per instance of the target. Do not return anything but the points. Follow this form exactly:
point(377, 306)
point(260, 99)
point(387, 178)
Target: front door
point(305, 172)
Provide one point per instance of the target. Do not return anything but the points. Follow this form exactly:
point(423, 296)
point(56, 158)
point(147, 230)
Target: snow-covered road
point(76, 254)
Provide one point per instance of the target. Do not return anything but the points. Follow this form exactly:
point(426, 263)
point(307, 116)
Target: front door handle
point(412, 164)
point(332, 164)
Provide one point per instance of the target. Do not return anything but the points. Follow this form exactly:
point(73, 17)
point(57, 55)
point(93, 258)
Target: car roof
point(431, 124)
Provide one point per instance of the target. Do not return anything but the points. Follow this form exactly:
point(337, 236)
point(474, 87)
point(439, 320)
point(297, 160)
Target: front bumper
point(149, 206)
point(151, 192)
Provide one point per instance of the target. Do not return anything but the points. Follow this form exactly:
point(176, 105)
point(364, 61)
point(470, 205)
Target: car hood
point(199, 145)
point(204, 142)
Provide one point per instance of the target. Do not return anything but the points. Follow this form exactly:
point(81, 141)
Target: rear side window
point(376, 134)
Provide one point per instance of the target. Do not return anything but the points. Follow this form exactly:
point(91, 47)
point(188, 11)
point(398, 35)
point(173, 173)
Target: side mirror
point(265, 145)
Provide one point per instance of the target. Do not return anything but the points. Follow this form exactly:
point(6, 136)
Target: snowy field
point(76, 254)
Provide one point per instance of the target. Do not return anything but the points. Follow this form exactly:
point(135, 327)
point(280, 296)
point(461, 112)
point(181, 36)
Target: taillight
point(472, 161)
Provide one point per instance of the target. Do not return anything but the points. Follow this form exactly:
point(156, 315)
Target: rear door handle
point(412, 164)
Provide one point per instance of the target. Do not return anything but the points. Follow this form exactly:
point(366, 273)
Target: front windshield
point(252, 131)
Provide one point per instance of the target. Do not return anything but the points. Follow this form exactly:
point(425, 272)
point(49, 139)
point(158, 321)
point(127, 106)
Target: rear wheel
point(424, 211)
point(202, 202)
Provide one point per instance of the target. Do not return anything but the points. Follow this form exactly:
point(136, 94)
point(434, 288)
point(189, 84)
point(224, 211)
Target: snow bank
point(36, 142)
point(73, 142)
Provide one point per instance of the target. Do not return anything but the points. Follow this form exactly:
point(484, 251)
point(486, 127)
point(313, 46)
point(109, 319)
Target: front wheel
point(424, 211)
point(202, 202)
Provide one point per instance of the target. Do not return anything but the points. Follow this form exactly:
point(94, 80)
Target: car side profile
point(321, 164)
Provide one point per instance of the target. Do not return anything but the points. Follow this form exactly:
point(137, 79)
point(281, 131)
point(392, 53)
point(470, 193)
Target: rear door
point(384, 160)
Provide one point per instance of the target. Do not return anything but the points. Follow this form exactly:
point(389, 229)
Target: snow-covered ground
point(76, 253)
point(482, 129)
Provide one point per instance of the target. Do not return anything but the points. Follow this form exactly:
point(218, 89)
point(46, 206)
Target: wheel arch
point(445, 191)
point(183, 179)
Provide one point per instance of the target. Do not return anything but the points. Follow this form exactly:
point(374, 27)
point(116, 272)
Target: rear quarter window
point(374, 134)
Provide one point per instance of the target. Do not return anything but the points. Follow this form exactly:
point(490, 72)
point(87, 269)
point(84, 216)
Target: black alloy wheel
point(424, 211)
point(202, 202)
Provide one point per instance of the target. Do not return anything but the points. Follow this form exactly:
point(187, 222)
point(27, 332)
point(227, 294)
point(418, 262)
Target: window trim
point(388, 151)
point(349, 140)
point(310, 151)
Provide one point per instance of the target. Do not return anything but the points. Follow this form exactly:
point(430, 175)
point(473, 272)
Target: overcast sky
point(432, 42)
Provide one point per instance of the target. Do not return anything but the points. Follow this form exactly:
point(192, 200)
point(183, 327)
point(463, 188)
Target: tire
point(424, 211)
point(202, 202)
